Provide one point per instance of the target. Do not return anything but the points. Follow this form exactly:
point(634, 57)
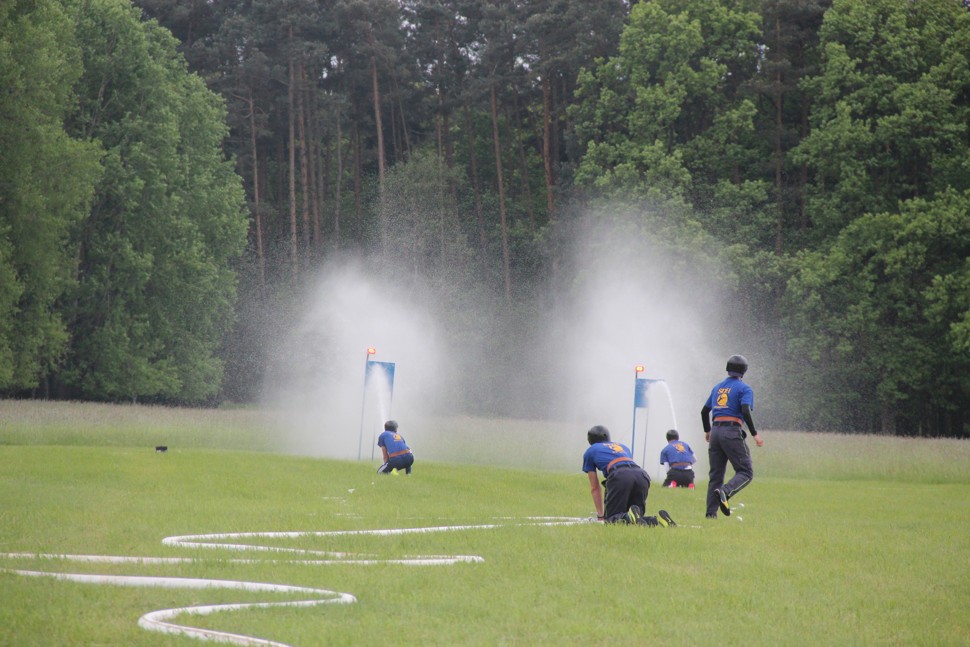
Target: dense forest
point(173, 171)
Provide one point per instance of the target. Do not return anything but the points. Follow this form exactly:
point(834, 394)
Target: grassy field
point(841, 540)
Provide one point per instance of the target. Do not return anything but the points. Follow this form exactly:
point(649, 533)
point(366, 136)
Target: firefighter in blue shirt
point(627, 484)
point(679, 459)
point(729, 405)
point(397, 455)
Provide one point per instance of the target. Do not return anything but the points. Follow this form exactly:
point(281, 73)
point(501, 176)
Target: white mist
point(623, 301)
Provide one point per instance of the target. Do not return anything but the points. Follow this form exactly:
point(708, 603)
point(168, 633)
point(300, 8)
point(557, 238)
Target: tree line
point(120, 215)
point(157, 155)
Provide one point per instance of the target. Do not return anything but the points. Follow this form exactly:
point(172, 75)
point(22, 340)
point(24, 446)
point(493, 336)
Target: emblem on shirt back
point(722, 397)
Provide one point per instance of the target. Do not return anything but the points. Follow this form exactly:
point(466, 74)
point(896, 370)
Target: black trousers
point(402, 462)
point(682, 478)
point(727, 446)
point(626, 486)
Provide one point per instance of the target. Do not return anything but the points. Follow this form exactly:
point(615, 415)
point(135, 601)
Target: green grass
point(845, 540)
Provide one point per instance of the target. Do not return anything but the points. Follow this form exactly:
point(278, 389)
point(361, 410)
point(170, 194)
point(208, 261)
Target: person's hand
point(759, 441)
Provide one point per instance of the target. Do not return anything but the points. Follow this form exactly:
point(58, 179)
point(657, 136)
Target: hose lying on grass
point(160, 620)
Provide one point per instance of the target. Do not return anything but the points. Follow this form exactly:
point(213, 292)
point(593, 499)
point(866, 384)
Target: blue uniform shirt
point(727, 397)
point(393, 441)
point(677, 451)
point(600, 455)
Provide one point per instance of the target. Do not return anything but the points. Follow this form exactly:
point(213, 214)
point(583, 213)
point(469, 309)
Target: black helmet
point(673, 435)
point(598, 434)
point(390, 425)
point(737, 364)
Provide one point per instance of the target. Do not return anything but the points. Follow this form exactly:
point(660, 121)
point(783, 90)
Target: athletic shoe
point(722, 501)
point(634, 514)
point(690, 487)
point(394, 472)
point(673, 485)
point(665, 519)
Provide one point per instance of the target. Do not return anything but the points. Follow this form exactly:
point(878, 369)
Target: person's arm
point(746, 414)
point(597, 493)
point(706, 421)
point(384, 452)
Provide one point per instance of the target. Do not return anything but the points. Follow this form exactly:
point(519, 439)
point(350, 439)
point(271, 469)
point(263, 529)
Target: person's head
point(390, 425)
point(598, 434)
point(737, 365)
point(672, 435)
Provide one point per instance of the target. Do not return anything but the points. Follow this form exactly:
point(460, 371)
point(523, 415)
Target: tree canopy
point(47, 182)
point(155, 155)
point(124, 232)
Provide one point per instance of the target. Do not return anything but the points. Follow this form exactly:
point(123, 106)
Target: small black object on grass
point(161, 449)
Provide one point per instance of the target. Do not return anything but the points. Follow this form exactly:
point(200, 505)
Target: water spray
point(641, 390)
point(363, 399)
point(384, 371)
point(636, 404)
point(641, 386)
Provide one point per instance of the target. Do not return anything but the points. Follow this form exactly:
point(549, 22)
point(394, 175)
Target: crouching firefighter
point(396, 453)
point(678, 458)
point(627, 484)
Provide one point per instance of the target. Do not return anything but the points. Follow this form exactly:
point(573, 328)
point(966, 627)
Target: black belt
point(623, 464)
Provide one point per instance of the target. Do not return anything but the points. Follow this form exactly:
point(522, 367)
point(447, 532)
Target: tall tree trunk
point(439, 138)
point(779, 157)
point(325, 165)
point(547, 147)
point(379, 126)
point(803, 171)
point(443, 143)
point(476, 185)
point(358, 171)
point(550, 156)
point(279, 181)
point(397, 146)
point(260, 252)
point(304, 160)
point(524, 168)
point(316, 163)
point(338, 182)
point(449, 153)
point(442, 190)
point(404, 125)
point(440, 122)
point(294, 242)
point(506, 264)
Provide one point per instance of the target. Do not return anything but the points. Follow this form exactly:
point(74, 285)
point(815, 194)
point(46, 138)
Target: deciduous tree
point(876, 321)
point(155, 280)
point(47, 179)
